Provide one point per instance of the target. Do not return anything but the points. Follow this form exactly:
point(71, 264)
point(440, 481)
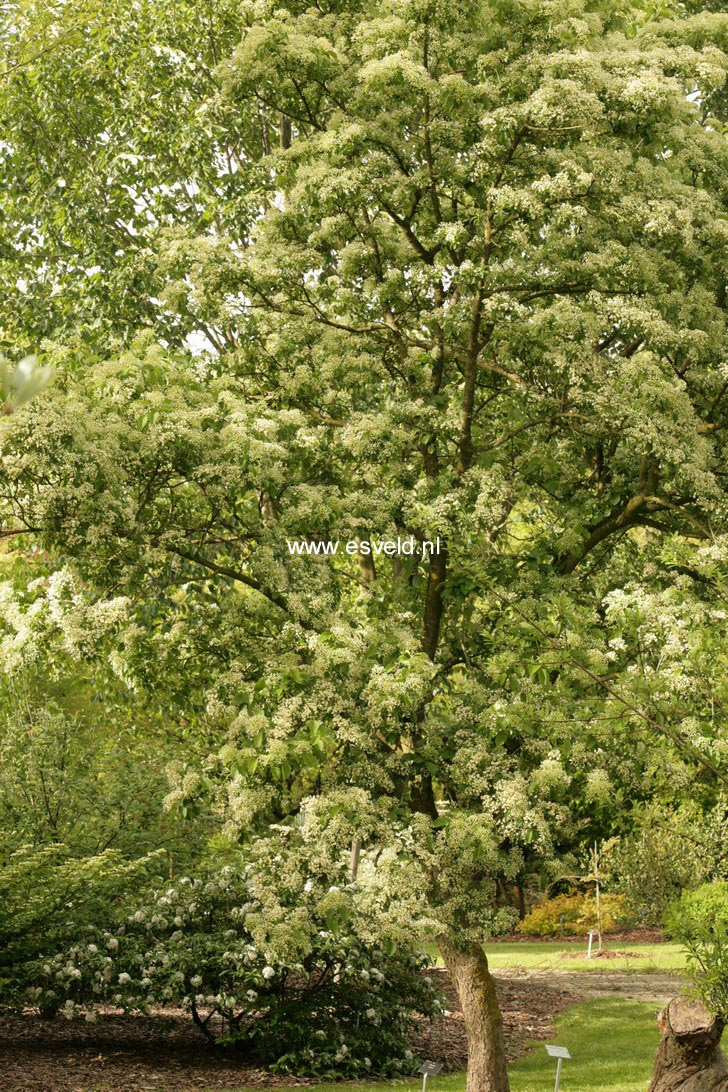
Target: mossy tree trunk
point(468, 969)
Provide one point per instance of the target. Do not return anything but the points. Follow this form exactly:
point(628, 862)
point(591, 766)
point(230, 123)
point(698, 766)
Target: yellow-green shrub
point(580, 915)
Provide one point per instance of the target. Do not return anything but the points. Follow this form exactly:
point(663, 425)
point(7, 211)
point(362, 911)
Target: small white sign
point(558, 1052)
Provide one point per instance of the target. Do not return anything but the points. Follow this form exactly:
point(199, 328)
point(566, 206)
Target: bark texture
point(468, 969)
point(689, 1058)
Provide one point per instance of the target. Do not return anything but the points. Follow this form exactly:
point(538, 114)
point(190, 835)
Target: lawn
point(612, 1045)
point(549, 955)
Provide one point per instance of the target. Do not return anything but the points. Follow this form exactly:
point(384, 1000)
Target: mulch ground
point(528, 1010)
point(166, 1053)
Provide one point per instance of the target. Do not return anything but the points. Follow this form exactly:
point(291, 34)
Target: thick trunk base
point(689, 1058)
point(469, 972)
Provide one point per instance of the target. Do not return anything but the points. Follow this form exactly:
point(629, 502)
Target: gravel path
point(583, 985)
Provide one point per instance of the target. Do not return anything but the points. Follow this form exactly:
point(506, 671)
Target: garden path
point(658, 987)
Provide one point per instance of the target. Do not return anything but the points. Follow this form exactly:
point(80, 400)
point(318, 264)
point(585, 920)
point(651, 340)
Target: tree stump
point(689, 1058)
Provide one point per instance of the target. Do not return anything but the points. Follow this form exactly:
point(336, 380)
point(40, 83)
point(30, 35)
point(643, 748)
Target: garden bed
point(163, 1051)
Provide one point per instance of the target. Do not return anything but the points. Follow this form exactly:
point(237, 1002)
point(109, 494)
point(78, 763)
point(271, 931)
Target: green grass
point(549, 956)
point(612, 1045)
point(570, 955)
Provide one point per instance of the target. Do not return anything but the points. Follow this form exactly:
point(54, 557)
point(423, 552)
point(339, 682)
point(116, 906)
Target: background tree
point(116, 141)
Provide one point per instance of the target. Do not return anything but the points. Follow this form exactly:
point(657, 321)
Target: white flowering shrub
point(309, 994)
point(48, 898)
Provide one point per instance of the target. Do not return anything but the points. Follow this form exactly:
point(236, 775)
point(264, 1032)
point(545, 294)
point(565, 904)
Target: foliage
point(671, 849)
point(48, 898)
point(650, 872)
point(79, 749)
point(116, 137)
point(306, 986)
point(654, 864)
point(579, 913)
point(21, 383)
point(86, 780)
point(699, 920)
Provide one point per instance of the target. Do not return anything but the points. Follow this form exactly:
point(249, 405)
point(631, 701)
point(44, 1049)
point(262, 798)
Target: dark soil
point(165, 1052)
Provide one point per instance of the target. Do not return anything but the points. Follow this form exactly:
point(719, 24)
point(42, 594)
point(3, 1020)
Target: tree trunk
point(468, 969)
point(689, 1058)
point(520, 900)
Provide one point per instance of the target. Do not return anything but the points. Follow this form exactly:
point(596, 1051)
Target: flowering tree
point(482, 305)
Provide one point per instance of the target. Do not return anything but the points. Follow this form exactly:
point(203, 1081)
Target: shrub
point(62, 781)
point(699, 920)
point(48, 897)
point(579, 915)
point(652, 866)
point(308, 987)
